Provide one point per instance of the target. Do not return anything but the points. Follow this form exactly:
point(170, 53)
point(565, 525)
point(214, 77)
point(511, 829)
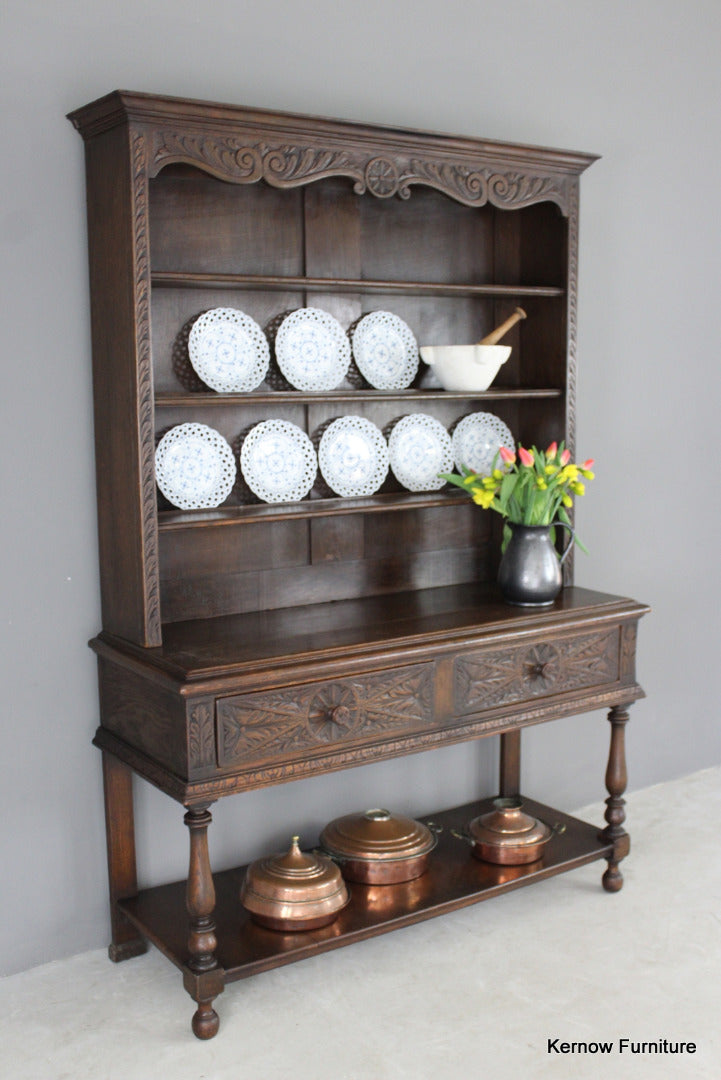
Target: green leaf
point(453, 478)
point(508, 485)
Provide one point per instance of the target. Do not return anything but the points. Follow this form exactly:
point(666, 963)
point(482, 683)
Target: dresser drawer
point(486, 678)
point(295, 721)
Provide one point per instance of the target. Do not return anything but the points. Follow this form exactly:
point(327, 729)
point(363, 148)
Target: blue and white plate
point(420, 448)
point(353, 456)
point(278, 461)
point(194, 467)
point(228, 350)
point(312, 350)
point(476, 440)
point(385, 351)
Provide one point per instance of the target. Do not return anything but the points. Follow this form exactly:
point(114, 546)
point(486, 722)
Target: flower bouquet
point(533, 490)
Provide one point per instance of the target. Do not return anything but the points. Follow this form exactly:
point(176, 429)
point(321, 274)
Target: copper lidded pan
point(376, 847)
point(507, 835)
point(294, 890)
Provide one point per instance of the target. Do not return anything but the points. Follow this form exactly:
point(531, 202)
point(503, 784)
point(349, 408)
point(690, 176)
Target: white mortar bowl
point(465, 367)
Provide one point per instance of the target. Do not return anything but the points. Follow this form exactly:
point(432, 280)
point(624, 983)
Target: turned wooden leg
point(615, 815)
point(509, 779)
point(122, 876)
point(204, 979)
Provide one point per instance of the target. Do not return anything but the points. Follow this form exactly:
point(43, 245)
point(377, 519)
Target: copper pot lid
point(508, 824)
point(377, 834)
point(293, 884)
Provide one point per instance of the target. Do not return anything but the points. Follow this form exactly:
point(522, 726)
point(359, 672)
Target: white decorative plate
point(312, 349)
point(420, 448)
point(353, 456)
point(228, 350)
point(385, 351)
point(278, 461)
point(194, 467)
point(476, 440)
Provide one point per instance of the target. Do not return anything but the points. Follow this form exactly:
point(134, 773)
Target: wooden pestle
point(496, 335)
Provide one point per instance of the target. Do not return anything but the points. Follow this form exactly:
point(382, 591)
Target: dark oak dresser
point(257, 643)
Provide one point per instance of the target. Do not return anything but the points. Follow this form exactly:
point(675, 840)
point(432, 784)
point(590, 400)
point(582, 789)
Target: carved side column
point(205, 979)
point(615, 815)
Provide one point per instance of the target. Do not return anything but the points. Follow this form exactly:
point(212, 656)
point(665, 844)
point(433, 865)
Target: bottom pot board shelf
point(454, 879)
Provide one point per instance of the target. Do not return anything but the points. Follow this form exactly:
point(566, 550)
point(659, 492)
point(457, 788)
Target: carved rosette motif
point(241, 161)
point(486, 679)
point(145, 385)
point(293, 720)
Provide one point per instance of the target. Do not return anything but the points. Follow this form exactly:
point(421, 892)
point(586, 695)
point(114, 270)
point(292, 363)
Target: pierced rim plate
point(476, 440)
point(385, 351)
point(419, 449)
point(353, 456)
point(312, 350)
point(228, 350)
point(278, 461)
point(194, 467)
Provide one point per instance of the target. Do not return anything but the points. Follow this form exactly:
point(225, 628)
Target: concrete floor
point(475, 994)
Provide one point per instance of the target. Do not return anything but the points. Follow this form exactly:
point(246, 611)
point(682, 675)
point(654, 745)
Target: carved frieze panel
point(201, 735)
point(629, 634)
point(489, 678)
point(294, 720)
point(243, 161)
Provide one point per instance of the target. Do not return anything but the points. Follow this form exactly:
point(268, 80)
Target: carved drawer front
point(294, 721)
point(487, 678)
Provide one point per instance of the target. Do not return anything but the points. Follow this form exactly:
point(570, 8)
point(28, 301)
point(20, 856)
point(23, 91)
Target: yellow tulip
point(578, 488)
point(483, 498)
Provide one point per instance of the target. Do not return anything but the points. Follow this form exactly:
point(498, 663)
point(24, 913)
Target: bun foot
point(205, 1022)
point(612, 880)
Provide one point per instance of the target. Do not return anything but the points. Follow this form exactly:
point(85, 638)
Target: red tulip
point(507, 456)
point(552, 451)
point(565, 457)
point(525, 455)
point(588, 464)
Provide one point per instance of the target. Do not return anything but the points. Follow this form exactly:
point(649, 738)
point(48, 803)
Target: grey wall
point(636, 82)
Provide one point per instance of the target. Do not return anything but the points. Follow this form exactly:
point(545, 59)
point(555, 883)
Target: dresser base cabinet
point(480, 669)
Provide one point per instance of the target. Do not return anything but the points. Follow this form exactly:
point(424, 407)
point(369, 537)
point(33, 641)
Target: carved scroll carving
point(145, 386)
point(487, 679)
point(285, 165)
point(293, 720)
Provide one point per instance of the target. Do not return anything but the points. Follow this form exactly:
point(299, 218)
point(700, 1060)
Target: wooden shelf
point(178, 279)
point(307, 508)
point(173, 399)
point(454, 879)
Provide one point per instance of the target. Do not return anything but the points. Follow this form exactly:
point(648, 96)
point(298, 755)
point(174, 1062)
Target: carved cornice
point(285, 165)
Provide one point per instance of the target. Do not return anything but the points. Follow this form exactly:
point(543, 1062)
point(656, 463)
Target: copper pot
point(294, 890)
point(378, 848)
point(509, 836)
